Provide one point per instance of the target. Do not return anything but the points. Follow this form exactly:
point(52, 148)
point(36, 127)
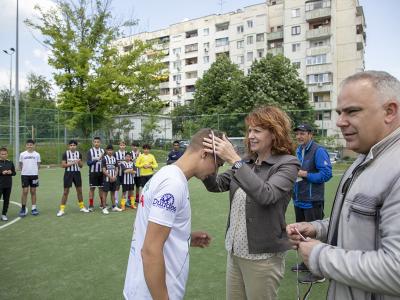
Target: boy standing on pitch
point(94, 157)
point(120, 156)
point(29, 164)
point(110, 172)
point(146, 163)
point(7, 170)
point(128, 181)
point(135, 154)
point(72, 163)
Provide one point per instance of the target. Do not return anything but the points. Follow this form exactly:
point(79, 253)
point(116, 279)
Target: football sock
point(62, 207)
point(132, 201)
point(116, 196)
point(123, 203)
point(90, 202)
point(81, 204)
point(34, 206)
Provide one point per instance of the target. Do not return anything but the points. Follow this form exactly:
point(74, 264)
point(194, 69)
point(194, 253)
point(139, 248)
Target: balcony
point(318, 50)
point(275, 51)
point(322, 105)
point(276, 35)
point(320, 87)
point(319, 68)
point(323, 31)
point(318, 14)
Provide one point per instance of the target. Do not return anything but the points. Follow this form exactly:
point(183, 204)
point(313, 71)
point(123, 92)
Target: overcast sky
point(382, 18)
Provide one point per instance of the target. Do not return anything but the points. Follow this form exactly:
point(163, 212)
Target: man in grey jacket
point(358, 248)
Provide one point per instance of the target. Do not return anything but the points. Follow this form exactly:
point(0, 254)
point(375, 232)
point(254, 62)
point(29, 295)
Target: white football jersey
point(29, 162)
point(165, 201)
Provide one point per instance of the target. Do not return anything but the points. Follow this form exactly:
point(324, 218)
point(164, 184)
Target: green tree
point(218, 88)
point(273, 80)
point(94, 79)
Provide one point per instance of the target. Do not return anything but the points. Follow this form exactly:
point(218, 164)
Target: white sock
point(34, 206)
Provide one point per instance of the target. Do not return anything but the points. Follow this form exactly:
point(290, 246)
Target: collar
point(379, 147)
point(271, 160)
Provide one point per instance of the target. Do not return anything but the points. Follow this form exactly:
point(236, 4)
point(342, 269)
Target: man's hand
point(306, 229)
point(302, 173)
point(305, 249)
point(200, 239)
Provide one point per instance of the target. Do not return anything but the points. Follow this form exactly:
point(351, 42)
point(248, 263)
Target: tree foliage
point(94, 79)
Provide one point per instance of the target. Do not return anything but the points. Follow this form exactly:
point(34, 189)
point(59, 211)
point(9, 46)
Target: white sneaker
point(84, 210)
point(105, 211)
point(4, 218)
point(116, 208)
point(60, 213)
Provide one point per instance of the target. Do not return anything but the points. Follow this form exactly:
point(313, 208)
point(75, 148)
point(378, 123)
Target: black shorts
point(29, 180)
point(120, 180)
point(96, 179)
point(144, 179)
point(110, 186)
point(72, 177)
point(128, 187)
point(137, 182)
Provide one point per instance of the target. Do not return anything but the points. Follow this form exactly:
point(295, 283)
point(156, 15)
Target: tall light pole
point(16, 148)
point(10, 52)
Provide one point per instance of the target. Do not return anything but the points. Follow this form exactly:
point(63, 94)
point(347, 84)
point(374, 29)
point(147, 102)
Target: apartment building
point(325, 39)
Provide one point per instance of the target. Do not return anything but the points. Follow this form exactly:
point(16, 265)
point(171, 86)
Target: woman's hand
point(223, 148)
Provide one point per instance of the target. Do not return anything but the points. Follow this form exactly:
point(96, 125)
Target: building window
point(192, 33)
point(221, 42)
point(319, 78)
point(190, 88)
point(249, 56)
point(296, 64)
point(240, 59)
point(295, 12)
point(295, 30)
point(324, 115)
point(177, 65)
point(279, 28)
point(176, 91)
point(249, 23)
point(260, 37)
point(206, 47)
point(206, 59)
point(190, 75)
point(260, 53)
point(250, 40)
point(316, 59)
point(296, 47)
point(317, 4)
point(319, 43)
point(191, 61)
point(240, 29)
point(239, 44)
point(176, 77)
point(222, 26)
point(164, 91)
point(206, 31)
point(176, 51)
point(191, 48)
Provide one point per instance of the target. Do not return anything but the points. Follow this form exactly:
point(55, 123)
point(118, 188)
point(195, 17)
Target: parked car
point(334, 157)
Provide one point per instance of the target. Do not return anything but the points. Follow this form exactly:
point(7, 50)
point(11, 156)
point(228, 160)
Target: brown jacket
point(268, 188)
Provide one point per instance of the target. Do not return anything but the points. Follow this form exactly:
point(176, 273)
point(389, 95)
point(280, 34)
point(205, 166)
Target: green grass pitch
point(84, 256)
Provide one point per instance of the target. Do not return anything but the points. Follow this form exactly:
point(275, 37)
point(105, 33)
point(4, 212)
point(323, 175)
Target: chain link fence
point(52, 129)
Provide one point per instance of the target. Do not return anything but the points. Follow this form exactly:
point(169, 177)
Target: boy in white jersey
point(72, 164)
point(29, 163)
point(158, 262)
point(120, 156)
point(110, 173)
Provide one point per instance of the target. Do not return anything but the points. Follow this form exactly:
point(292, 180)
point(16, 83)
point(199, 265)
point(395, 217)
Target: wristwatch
point(237, 164)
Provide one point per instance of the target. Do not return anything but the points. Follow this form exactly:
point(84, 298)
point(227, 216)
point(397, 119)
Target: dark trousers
point(5, 192)
point(310, 214)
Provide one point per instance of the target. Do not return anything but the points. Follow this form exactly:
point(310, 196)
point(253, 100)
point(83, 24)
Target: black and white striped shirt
point(110, 164)
point(135, 155)
point(128, 177)
point(120, 156)
point(94, 159)
point(71, 157)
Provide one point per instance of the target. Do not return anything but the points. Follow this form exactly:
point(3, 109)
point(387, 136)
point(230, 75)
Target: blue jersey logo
point(165, 202)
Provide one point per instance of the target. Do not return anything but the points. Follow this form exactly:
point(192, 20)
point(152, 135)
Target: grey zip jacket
point(365, 264)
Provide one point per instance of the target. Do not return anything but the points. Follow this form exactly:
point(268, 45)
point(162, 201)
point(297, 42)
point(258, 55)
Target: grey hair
point(385, 84)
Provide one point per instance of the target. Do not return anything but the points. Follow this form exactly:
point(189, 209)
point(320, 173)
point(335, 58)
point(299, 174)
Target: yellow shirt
point(146, 159)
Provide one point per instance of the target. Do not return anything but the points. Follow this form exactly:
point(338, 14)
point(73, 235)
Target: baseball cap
point(304, 127)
